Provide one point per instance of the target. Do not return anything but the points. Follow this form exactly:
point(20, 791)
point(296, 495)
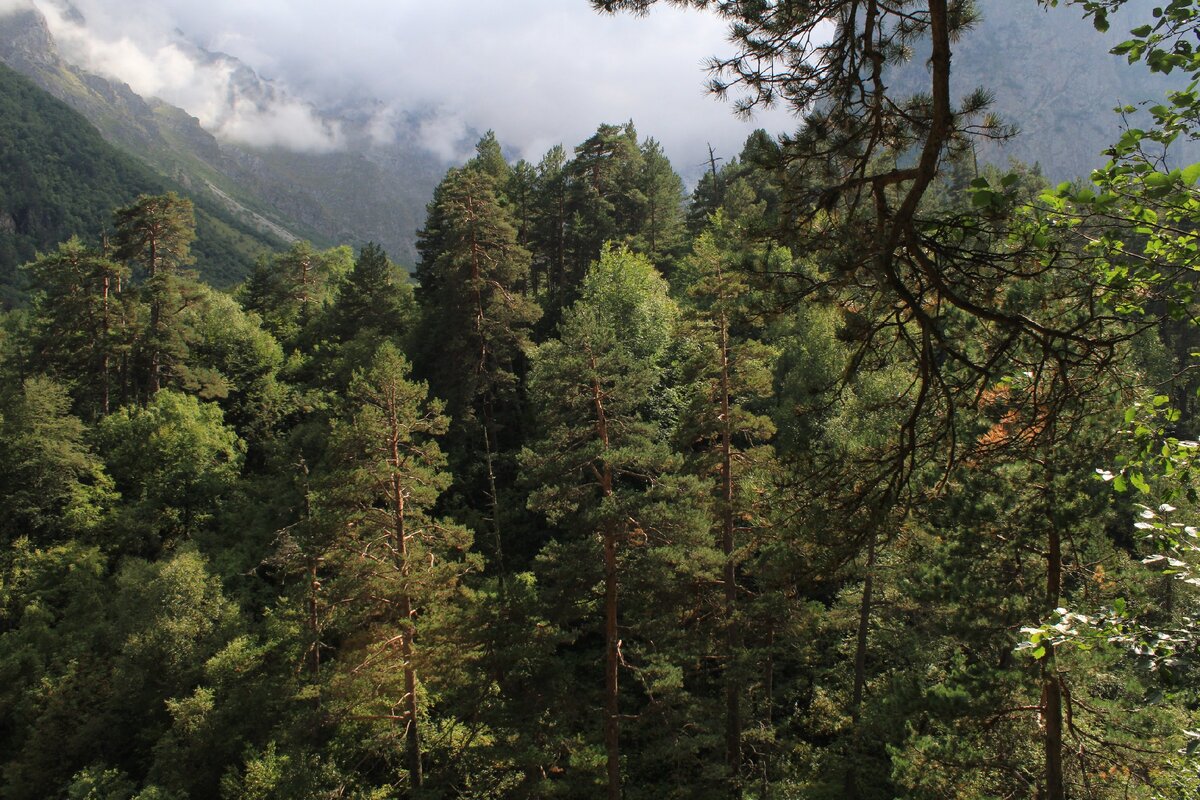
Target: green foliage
point(759, 502)
point(175, 461)
point(53, 486)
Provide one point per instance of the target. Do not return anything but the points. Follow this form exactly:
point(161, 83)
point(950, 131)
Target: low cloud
point(12, 6)
point(157, 63)
point(538, 72)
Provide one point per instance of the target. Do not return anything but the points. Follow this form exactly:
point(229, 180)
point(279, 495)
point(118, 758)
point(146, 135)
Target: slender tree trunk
point(481, 389)
point(1052, 711)
point(304, 290)
point(769, 710)
point(412, 734)
point(106, 336)
point(612, 655)
point(860, 655)
point(612, 719)
point(488, 449)
point(314, 624)
point(864, 621)
point(155, 381)
point(733, 689)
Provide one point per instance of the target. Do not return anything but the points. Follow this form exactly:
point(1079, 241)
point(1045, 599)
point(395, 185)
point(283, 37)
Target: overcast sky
point(538, 72)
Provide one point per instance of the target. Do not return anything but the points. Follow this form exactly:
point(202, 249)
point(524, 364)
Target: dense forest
point(861, 471)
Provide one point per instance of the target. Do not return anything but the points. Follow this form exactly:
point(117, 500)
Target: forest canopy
point(863, 470)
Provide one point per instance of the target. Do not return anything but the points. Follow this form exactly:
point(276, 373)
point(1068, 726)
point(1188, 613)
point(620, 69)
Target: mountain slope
point(59, 177)
point(366, 191)
point(1051, 75)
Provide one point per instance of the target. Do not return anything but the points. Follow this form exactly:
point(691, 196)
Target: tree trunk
point(860, 655)
point(155, 378)
point(493, 495)
point(733, 689)
point(400, 549)
point(612, 719)
point(1052, 712)
point(864, 621)
point(612, 654)
point(768, 711)
point(412, 733)
point(106, 336)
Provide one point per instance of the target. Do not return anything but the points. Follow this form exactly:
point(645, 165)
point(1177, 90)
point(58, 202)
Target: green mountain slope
point(59, 177)
point(368, 191)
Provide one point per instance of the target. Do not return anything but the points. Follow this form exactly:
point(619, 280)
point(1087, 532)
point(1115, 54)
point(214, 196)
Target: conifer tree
point(396, 562)
point(81, 322)
point(156, 233)
point(604, 196)
point(661, 228)
point(290, 290)
point(725, 432)
point(548, 238)
point(476, 323)
point(601, 463)
point(53, 487)
point(489, 159)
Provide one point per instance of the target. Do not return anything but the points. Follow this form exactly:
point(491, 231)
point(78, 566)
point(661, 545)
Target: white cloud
point(155, 64)
point(538, 72)
point(12, 6)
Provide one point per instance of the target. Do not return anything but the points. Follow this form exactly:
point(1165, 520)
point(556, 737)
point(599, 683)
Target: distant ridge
point(366, 191)
point(59, 178)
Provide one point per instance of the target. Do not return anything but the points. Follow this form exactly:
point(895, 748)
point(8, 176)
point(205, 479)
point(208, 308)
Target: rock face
point(365, 191)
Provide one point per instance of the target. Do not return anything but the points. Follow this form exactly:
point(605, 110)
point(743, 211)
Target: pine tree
point(156, 233)
point(489, 159)
point(476, 326)
point(661, 228)
point(604, 199)
point(82, 322)
point(291, 289)
point(395, 561)
point(601, 463)
point(725, 432)
point(548, 237)
point(53, 487)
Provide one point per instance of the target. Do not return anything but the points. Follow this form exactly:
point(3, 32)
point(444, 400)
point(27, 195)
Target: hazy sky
point(538, 72)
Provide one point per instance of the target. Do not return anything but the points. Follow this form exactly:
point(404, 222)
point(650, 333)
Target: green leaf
point(1191, 173)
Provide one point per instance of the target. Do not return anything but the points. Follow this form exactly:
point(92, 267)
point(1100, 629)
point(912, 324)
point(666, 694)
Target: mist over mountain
point(347, 138)
point(351, 175)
